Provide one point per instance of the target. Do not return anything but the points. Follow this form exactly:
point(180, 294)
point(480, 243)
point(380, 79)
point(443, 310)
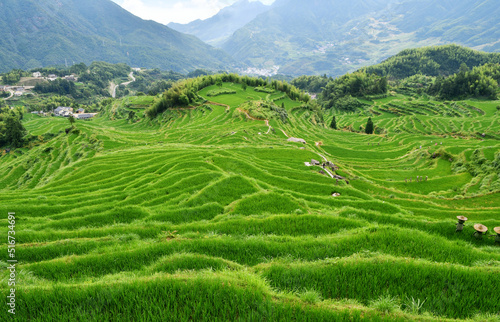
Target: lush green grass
point(206, 214)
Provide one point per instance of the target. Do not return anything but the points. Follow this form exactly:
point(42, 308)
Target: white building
point(84, 116)
point(297, 140)
point(37, 74)
point(72, 78)
point(63, 111)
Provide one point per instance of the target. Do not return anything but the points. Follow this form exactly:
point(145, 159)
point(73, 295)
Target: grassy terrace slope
point(209, 213)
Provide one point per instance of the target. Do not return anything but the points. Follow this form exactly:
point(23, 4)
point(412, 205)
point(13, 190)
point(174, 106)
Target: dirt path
point(324, 169)
point(131, 75)
point(112, 90)
point(328, 171)
point(284, 133)
point(269, 127)
point(248, 115)
point(220, 104)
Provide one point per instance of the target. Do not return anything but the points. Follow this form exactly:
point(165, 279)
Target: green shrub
point(386, 304)
point(220, 91)
point(264, 90)
point(310, 296)
point(413, 306)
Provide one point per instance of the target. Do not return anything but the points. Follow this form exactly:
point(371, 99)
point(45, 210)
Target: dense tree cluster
point(340, 93)
point(432, 61)
point(101, 73)
point(311, 84)
point(59, 86)
point(480, 82)
point(154, 81)
point(293, 92)
point(13, 76)
point(12, 131)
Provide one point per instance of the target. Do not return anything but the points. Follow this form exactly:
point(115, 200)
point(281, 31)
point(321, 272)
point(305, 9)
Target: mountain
point(334, 37)
point(218, 28)
point(51, 32)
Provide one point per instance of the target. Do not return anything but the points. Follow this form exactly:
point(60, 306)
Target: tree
point(463, 68)
point(15, 131)
point(244, 86)
point(131, 116)
point(333, 125)
point(12, 78)
point(369, 126)
point(218, 82)
point(71, 120)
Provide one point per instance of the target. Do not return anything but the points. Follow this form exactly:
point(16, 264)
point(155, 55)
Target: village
point(53, 77)
point(63, 111)
point(16, 90)
point(20, 90)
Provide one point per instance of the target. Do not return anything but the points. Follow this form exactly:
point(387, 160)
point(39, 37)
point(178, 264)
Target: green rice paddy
point(208, 213)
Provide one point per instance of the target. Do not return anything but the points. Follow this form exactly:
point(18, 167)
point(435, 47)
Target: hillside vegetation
point(432, 61)
point(440, 72)
point(46, 33)
point(204, 209)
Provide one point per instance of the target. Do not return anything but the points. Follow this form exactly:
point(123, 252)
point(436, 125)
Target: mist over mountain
point(293, 37)
point(333, 37)
point(217, 29)
point(48, 32)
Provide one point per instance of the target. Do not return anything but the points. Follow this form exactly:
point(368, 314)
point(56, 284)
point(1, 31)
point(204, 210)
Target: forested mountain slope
point(432, 61)
point(41, 33)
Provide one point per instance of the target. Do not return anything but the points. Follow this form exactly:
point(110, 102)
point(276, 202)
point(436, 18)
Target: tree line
point(431, 61)
point(185, 92)
point(480, 82)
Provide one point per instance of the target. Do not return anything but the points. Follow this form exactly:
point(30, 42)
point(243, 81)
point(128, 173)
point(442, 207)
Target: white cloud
point(176, 10)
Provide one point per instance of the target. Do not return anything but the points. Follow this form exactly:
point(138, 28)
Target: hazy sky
point(182, 11)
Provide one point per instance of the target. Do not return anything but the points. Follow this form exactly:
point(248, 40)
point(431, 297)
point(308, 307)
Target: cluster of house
point(68, 111)
point(16, 90)
point(42, 113)
point(53, 77)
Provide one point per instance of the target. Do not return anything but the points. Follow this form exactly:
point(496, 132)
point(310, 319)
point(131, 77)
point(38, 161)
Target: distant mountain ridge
point(334, 37)
point(46, 32)
point(218, 28)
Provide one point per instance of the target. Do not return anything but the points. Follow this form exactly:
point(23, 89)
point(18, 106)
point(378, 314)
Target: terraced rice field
point(208, 213)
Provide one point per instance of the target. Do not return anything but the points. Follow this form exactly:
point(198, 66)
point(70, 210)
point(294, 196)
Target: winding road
point(131, 75)
point(11, 94)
